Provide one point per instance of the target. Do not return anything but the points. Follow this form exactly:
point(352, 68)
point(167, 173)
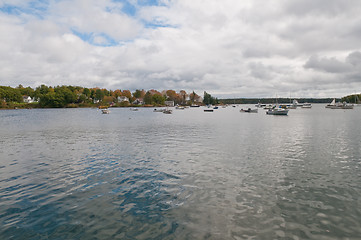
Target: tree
point(148, 98)
point(193, 96)
point(40, 91)
point(208, 99)
point(99, 94)
point(127, 94)
point(158, 99)
point(86, 92)
point(183, 96)
point(10, 94)
point(139, 93)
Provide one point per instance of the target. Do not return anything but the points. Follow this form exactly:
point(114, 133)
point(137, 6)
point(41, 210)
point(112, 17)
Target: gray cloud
point(238, 48)
point(330, 65)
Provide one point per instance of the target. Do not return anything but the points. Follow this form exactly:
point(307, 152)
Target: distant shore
point(13, 105)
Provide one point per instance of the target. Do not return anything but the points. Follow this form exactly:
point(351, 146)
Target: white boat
point(105, 111)
point(260, 105)
point(269, 106)
point(332, 104)
point(277, 111)
point(158, 110)
point(249, 110)
point(342, 105)
point(134, 109)
point(307, 105)
point(294, 104)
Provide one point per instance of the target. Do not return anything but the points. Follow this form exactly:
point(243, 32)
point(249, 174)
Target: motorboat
point(158, 110)
point(277, 111)
point(249, 110)
point(167, 111)
point(260, 105)
point(208, 110)
point(307, 105)
point(105, 111)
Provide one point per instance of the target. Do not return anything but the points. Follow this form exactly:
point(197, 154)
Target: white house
point(138, 101)
point(169, 103)
point(28, 99)
point(122, 99)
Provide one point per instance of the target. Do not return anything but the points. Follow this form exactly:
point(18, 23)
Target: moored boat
point(249, 110)
point(332, 104)
point(167, 111)
point(307, 105)
point(105, 111)
point(277, 111)
point(342, 105)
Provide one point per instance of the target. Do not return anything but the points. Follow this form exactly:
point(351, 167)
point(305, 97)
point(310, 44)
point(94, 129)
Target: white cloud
point(230, 48)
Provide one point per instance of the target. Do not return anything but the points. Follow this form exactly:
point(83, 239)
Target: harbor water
point(80, 174)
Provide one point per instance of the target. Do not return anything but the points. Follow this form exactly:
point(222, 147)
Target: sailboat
point(276, 110)
point(357, 101)
point(332, 104)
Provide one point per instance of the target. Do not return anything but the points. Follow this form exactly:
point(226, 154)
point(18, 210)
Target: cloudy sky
point(229, 48)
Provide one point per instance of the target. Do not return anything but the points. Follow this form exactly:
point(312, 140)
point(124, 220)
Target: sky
point(229, 48)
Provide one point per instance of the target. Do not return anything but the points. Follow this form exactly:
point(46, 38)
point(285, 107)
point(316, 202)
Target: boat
point(343, 105)
point(158, 110)
point(307, 105)
point(105, 111)
point(332, 104)
point(249, 110)
point(180, 107)
point(194, 105)
point(134, 109)
point(208, 110)
point(268, 107)
point(357, 101)
point(260, 105)
point(277, 111)
point(215, 107)
point(294, 104)
point(167, 111)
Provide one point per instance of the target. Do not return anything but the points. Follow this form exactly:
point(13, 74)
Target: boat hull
point(277, 112)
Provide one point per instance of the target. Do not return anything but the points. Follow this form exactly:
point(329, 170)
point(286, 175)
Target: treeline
point(75, 96)
point(355, 98)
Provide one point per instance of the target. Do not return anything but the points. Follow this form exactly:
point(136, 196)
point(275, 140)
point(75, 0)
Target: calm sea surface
point(80, 174)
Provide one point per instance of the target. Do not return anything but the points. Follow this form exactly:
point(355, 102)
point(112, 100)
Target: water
point(80, 174)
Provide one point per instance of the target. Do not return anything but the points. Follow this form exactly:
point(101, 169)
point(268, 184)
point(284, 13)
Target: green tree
point(147, 98)
point(158, 99)
point(86, 92)
point(99, 94)
point(208, 99)
point(10, 94)
point(139, 93)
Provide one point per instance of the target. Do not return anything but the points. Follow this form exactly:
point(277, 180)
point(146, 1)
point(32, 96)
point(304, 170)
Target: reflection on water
point(79, 174)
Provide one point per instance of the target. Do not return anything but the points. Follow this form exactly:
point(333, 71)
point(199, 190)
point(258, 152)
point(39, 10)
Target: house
point(122, 99)
point(138, 101)
point(169, 103)
point(28, 99)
